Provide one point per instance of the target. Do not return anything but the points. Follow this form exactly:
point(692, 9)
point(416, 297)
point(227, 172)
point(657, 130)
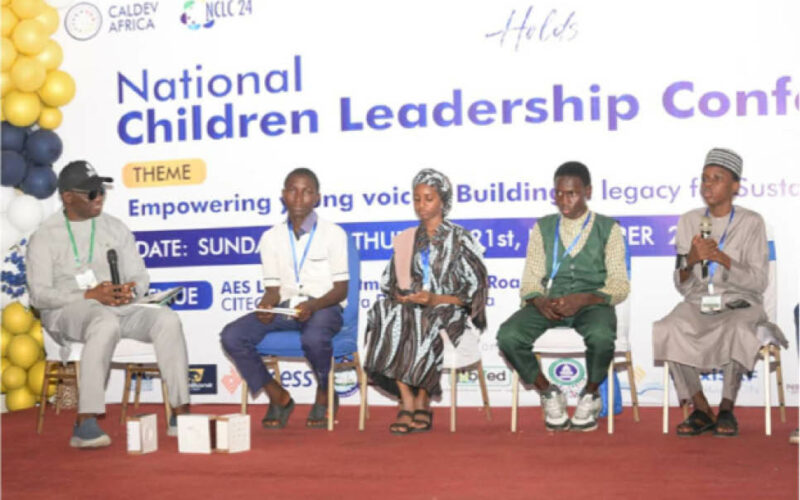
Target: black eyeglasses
point(93, 194)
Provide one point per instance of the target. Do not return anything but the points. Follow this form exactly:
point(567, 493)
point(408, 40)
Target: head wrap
point(440, 182)
point(727, 159)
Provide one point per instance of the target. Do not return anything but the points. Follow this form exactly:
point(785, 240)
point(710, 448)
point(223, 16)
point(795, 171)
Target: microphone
point(705, 233)
point(112, 263)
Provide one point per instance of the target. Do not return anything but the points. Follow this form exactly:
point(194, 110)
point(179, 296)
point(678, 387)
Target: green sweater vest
point(586, 272)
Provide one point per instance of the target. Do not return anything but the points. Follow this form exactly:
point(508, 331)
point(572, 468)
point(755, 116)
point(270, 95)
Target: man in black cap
point(70, 284)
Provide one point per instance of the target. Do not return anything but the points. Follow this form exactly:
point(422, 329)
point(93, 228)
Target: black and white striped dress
point(403, 340)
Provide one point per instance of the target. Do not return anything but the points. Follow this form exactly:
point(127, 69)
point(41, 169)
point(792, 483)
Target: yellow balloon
point(17, 319)
point(8, 20)
point(27, 9)
point(14, 377)
point(9, 53)
point(29, 36)
point(6, 2)
point(23, 351)
point(49, 18)
point(58, 89)
point(5, 338)
point(20, 399)
point(36, 380)
point(22, 108)
point(6, 85)
point(36, 332)
point(28, 74)
point(51, 55)
point(50, 118)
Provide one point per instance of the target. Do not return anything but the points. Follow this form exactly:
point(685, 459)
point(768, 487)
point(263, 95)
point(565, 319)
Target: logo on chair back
point(345, 383)
point(566, 371)
point(202, 379)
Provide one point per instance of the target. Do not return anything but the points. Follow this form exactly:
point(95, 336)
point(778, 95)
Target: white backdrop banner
point(198, 109)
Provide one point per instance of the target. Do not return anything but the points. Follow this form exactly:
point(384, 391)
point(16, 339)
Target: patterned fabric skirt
point(403, 343)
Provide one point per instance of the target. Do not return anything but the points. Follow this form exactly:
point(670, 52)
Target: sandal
point(727, 422)
point(401, 428)
point(698, 423)
point(425, 424)
point(317, 417)
point(277, 415)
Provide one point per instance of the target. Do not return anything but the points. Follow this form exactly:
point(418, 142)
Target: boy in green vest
point(574, 281)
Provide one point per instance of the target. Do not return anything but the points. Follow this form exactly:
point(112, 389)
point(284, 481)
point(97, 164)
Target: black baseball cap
point(80, 175)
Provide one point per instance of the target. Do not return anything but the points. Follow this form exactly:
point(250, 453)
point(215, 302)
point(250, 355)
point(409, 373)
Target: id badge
point(86, 280)
point(711, 304)
point(297, 300)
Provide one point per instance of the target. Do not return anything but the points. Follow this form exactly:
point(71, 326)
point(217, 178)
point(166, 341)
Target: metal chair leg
point(126, 392)
point(514, 399)
point(48, 365)
point(244, 397)
point(484, 391)
point(138, 392)
point(453, 383)
point(165, 397)
point(362, 411)
point(665, 405)
point(767, 395)
point(330, 393)
point(611, 397)
point(632, 383)
point(776, 352)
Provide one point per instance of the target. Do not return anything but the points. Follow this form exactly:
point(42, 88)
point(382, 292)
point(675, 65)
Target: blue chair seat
point(287, 344)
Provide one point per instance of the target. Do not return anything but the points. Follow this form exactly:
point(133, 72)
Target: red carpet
point(482, 460)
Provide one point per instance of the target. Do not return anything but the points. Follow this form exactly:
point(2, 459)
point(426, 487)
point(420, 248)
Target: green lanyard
point(75, 246)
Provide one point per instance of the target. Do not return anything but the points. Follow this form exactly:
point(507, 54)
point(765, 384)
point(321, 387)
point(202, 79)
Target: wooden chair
point(772, 340)
point(63, 367)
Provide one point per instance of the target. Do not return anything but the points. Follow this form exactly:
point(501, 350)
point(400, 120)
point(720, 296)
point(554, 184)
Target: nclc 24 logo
point(203, 14)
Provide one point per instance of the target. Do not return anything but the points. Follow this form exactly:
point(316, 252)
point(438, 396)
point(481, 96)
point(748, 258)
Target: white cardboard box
point(142, 434)
point(233, 433)
point(219, 433)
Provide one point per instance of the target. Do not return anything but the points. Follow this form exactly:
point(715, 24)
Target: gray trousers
point(99, 328)
point(687, 380)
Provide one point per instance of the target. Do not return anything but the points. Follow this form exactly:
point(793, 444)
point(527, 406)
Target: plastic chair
point(466, 355)
point(772, 340)
point(286, 345)
point(563, 340)
point(558, 341)
point(63, 367)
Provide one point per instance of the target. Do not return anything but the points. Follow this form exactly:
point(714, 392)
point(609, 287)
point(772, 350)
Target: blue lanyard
point(712, 267)
point(556, 261)
point(297, 267)
point(426, 266)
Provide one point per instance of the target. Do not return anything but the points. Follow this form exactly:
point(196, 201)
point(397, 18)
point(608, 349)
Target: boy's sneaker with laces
point(585, 417)
point(554, 405)
point(89, 435)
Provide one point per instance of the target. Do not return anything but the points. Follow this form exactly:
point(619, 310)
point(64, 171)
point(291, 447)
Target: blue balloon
point(14, 168)
point(43, 146)
point(40, 182)
point(13, 137)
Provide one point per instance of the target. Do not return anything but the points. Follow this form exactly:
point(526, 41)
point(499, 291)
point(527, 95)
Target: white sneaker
point(554, 405)
point(585, 417)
